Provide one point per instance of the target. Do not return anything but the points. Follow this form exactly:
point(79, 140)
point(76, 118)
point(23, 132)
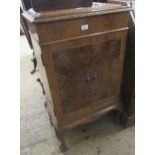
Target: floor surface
point(102, 137)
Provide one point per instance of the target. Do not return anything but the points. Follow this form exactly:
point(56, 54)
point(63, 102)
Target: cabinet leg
point(127, 120)
point(60, 135)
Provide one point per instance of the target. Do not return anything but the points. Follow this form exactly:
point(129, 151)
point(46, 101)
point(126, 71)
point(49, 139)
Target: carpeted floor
point(102, 137)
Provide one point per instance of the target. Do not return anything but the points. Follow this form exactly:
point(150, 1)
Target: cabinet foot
point(63, 148)
point(60, 135)
point(126, 120)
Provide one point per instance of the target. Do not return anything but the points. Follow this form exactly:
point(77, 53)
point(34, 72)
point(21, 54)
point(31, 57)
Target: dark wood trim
point(126, 120)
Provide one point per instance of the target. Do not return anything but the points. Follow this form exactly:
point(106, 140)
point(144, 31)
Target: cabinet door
point(107, 62)
point(72, 68)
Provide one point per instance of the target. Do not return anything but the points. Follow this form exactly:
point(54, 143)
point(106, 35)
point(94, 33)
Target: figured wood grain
point(106, 62)
point(72, 67)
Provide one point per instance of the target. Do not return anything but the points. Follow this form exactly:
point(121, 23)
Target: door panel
point(106, 61)
point(72, 69)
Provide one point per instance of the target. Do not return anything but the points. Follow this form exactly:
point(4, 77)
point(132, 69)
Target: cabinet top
point(64, 14)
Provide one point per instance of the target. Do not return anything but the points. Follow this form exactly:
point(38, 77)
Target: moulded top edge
point(62, 14)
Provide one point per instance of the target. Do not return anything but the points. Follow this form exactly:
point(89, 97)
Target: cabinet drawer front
point(61, 30)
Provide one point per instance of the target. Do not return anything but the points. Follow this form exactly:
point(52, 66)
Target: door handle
point(88, 79)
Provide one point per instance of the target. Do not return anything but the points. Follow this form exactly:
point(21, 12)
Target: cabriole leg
point(60, 135)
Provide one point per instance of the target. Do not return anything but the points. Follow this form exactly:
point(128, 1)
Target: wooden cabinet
point(80, 55)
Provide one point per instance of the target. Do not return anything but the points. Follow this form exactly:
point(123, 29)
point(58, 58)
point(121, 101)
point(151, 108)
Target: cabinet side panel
point(129, 71)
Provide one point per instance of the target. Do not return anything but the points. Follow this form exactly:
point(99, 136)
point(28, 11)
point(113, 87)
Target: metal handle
point(88, 79)
point(38, 80)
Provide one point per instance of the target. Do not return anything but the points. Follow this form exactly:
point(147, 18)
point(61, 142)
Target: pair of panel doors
point(88, 71)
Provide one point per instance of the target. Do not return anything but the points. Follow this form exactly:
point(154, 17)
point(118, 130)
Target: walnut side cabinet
point(80, 54)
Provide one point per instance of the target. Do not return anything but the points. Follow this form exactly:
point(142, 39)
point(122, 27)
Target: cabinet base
point(126, 120)
point(60, 132)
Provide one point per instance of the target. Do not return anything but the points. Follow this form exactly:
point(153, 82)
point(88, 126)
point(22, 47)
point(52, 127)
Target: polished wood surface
point(81, 61)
